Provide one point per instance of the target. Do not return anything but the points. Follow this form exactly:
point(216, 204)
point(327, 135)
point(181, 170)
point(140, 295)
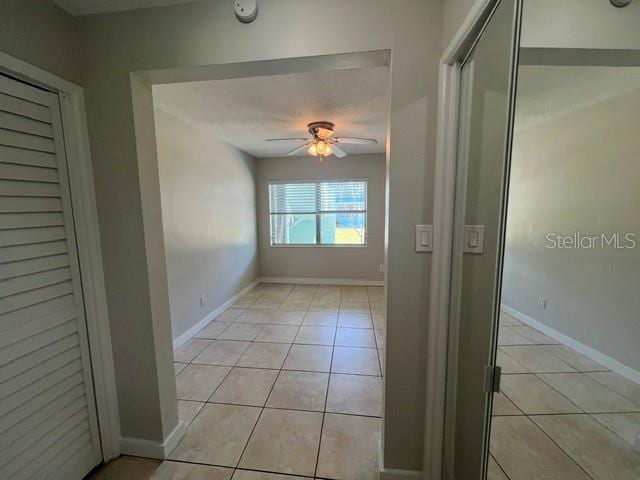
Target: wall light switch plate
point(542, 303)
point(424, 238)
point(473, 239)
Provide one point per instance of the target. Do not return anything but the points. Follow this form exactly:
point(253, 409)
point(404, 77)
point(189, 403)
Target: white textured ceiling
point(548, 92)
point(86, 7)
point(244, 112)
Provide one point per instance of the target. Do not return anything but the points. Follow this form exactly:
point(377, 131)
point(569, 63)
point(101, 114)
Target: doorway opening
point(281, 345)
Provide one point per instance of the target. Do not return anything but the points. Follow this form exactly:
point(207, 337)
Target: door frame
point(142, 83)
point(85, 214)
point(438, 366)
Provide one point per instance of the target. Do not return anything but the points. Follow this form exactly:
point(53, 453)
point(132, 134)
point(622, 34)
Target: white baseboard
point(595, 355)
point(323, 281)
point(391, 474)
point(186, 336)
point(147, 448)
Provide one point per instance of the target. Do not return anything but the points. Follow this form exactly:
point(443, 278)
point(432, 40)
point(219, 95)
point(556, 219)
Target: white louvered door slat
point(28, 173)
point(48, 421)
point(19, 123)
point(26, 109)
point(29, 204)
point(27, 236)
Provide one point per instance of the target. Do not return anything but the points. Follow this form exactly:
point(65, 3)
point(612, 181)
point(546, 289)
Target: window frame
point(318, 213)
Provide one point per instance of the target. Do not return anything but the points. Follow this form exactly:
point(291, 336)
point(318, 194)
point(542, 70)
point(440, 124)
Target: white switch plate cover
point(424, 238)
point(473, 239)
point(542, 303)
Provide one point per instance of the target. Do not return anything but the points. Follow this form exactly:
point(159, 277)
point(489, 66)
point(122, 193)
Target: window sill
point(317, 246)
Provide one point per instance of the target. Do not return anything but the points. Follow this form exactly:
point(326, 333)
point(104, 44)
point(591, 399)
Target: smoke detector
point(620, 3)
point(246, 10)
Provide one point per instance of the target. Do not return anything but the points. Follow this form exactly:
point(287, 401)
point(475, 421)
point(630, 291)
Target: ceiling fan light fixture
point(321, 147)
point(323, 143)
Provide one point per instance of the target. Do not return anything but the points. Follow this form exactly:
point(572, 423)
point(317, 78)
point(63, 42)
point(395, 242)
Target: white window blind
point(318, 213)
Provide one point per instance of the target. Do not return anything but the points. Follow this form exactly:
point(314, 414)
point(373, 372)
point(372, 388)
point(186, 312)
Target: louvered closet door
point(48, 426)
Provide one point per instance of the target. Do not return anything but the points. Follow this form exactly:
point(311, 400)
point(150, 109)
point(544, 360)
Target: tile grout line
point(279, 370)
point(253, 429)
point(267, 407)
point(324, 410)
point(295, 369)
point(264, 405)
point(560, 448)
point(583, 413)
point(552, 388)
point(375, 338)
point(235, 469)
point(499, 466)
point(244, 449)
point(592, 415)
point(537, 375)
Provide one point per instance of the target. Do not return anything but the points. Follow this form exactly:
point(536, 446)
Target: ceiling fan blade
point(355, 140)
point(297, 150)
point(337, 151)
point(324, 132)
point(287, 139)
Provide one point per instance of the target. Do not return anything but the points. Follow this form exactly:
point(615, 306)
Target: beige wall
point(578, 173)
point(206, 33)
point(41, 33)
point(563, 24)
point(455, 12)
point(580, 24)
point(209, 219)
point(324, 262)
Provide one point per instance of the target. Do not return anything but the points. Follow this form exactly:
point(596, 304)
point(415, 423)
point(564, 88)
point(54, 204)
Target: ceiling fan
point(322, 142)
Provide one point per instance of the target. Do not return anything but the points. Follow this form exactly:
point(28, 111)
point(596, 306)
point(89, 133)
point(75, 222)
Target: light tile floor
point(286, 384)
point(560, 415)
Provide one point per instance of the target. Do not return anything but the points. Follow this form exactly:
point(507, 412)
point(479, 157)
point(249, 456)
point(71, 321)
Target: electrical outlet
point(382, 267)
point(638, 442)
point(203, 299)
point(542, 303)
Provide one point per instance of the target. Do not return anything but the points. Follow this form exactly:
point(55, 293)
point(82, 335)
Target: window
point(318, 213)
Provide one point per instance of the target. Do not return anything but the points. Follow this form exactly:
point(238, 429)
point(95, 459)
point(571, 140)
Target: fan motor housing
point(315, 126)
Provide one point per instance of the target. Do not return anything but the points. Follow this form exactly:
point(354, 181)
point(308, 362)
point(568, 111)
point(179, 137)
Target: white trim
point(88, 242)
point(323, 281)
point(147, 448)
point(186, 336)
point(595, 355)
point(391, 474)
point(443, 211)
point(443, 220)
point(461, 42)
point(189, 334)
